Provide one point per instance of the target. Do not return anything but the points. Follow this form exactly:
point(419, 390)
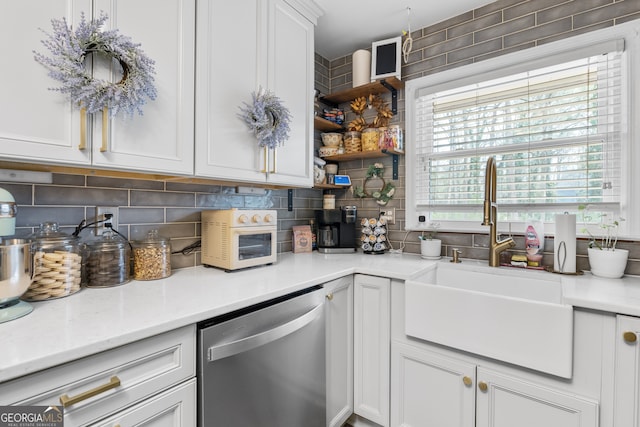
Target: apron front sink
point(515, 316)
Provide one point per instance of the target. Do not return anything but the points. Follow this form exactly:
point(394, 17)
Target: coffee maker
point(336, 230)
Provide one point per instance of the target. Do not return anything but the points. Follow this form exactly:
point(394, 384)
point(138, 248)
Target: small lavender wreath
point(70, 48)
point(267, 118)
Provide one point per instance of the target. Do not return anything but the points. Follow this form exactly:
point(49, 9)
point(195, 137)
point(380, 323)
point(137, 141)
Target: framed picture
point(385, 58)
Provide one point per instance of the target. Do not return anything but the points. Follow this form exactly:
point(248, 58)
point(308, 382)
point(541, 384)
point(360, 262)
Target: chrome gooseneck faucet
point(491, 215)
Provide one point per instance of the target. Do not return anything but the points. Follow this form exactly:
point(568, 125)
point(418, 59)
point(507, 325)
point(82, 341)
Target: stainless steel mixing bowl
point(16, 269)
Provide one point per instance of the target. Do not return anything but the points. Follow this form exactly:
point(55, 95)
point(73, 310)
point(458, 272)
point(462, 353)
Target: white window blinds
point(555, 133)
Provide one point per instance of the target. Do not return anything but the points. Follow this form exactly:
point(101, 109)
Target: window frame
point(531, 59)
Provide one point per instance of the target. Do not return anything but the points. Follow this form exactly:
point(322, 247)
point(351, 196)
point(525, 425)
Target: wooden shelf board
point(364, 90)
point(325, 125)
point(330, 187)
point(375, 154)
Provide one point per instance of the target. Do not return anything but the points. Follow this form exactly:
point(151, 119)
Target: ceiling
point(349, 25)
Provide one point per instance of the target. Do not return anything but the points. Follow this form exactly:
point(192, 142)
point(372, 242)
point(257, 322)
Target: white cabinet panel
point(161, 140)
point(271, 48)
point(627, 372)
point(339, 330)
point(508, 401)
point(430, 390)
point(36, 123)
point(173, 408)
point(40, 125)
point(372, 325)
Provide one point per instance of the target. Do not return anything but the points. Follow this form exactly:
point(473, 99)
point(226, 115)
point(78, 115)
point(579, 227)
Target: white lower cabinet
point(430, 389)
point(505, 401)
point(339, 331)
point(123, 382)
point(627, 372)
point(174, 408)
point(372, 337)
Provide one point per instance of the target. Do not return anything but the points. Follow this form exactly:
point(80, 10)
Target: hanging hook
point(407, 45)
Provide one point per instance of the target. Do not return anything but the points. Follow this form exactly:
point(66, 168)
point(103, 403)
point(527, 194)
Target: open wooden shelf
point(324, 125)
point(375, 88)
point(330, 186)
point(373, 154)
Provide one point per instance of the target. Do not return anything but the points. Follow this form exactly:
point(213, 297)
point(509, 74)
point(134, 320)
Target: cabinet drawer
point(175, 407)
point(143, 368)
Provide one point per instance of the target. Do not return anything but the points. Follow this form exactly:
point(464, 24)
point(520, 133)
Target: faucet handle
point(455, 253)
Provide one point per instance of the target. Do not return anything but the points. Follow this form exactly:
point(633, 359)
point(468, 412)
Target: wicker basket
point(352, 142)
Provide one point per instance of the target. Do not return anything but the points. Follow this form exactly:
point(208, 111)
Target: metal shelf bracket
point(394, 96)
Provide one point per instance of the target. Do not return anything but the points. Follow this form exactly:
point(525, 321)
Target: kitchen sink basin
point(516, 316)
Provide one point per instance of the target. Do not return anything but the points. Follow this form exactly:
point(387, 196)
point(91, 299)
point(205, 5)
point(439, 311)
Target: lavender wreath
point(67, 65)
point(267, 118)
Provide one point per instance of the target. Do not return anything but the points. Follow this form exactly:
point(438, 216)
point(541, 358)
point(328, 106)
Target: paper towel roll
point(564, 244)
point(361, 67)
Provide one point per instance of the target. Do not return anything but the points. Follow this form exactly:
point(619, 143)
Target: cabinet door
point(161, 140)
point(230, 65)
point(372, 325)
point(627, 373)
point(506, 401)
point(36, 124)
point(428, 389)
point(175, 407)
point(290, 76)
point(339, 330)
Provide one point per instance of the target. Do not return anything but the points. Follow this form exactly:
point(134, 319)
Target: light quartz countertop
point(98, 319)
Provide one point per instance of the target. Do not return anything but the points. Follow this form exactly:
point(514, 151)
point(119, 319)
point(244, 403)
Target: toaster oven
point(239, 238)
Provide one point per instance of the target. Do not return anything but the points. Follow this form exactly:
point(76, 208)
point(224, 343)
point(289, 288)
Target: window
point(554, 119)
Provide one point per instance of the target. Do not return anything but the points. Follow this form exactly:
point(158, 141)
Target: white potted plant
point(430, 247)
point(605, 259)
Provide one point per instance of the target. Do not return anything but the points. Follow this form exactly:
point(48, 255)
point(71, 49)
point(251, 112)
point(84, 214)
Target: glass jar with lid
point(57, 264)
point(108, 261)
point(151, 257)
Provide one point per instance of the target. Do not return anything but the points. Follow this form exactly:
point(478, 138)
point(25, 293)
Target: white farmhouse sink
point(515, 316)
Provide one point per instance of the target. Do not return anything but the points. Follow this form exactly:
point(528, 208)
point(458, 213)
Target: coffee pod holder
point(373, 238)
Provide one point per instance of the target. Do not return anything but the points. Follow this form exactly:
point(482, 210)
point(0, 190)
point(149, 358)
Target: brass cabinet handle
point(275, 160)
point(83, 129)
point(467, 381)
point(630, 337)
point(330, 297)
point(105, 129)
point(483, 386)
point(265, 164)
point(67, 401)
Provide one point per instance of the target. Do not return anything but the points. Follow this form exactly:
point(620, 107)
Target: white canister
point(361, 67)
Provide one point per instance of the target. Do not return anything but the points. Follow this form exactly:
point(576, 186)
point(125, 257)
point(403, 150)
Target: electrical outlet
point(101, 212)
point(389, 214)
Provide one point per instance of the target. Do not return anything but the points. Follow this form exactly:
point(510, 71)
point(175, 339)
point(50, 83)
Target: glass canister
point(352, 142)
point(108, 261)
point(370, 139)
point(151, 257)
point(57, 264)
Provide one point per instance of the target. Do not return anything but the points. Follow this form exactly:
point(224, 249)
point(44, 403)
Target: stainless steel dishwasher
point(264, 366)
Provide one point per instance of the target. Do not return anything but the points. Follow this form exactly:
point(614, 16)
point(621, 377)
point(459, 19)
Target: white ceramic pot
point(431, 249)
point(608, 263)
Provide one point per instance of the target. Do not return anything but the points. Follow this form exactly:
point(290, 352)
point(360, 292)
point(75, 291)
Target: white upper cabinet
point(161, 140)
point(36, 123)
point(40, 125)
point(241, 48)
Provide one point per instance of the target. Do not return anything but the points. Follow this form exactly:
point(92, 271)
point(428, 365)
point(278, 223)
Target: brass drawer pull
point(630, 337)
point(67, 401)
point(467, 381)
point(483, 386)
point(330, 296)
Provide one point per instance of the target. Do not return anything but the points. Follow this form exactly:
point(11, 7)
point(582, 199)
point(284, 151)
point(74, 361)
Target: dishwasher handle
point(221, 351)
